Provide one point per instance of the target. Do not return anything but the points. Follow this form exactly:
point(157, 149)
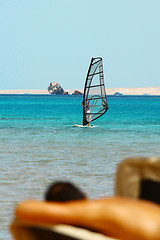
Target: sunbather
point(117, 217)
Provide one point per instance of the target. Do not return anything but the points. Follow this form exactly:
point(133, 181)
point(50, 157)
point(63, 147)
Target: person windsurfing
point(87, 109)
point(94, 95)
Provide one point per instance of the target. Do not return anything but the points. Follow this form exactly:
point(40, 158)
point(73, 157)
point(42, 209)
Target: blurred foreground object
point(139, 178)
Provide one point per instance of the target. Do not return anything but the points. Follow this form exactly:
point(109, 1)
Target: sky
point(54, 40)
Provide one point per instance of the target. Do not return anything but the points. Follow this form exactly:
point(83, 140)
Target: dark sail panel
point(94, 97)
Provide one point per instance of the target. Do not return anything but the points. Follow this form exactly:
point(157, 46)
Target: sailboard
point(83, 126)
point(94, 96)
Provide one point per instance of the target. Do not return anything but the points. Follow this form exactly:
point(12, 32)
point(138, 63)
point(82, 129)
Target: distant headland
point(146, 91)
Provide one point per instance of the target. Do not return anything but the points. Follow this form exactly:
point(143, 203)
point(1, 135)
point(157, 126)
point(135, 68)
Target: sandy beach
point(110, 91)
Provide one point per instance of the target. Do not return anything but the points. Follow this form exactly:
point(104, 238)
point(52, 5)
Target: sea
point(39, 144)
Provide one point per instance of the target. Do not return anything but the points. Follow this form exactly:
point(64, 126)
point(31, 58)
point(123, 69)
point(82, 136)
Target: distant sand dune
point(110, 91)
point(135, 91)
point(24, 91)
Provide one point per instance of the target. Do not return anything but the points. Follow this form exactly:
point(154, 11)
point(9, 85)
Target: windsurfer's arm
point(116, 217)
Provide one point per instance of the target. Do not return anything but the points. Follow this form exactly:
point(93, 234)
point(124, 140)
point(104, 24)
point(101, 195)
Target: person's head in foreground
point(62, 191)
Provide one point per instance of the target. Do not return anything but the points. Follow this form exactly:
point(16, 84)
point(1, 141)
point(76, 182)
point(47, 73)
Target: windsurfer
point(88, 111)
point(87, 108)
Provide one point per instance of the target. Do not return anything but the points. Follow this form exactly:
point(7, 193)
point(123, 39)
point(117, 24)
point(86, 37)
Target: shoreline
point(110, 91)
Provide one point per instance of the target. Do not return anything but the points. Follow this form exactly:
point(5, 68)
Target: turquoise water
point(38, 144)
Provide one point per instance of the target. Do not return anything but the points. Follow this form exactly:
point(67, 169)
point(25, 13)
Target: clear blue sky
point(54, 40)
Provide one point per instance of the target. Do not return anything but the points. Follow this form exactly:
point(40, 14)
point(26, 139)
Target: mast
point(94, 97)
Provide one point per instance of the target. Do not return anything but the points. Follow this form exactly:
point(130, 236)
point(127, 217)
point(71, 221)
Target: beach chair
point(139, 177)
point(24, 231)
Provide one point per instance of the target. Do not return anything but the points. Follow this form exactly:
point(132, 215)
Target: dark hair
point(62, 191)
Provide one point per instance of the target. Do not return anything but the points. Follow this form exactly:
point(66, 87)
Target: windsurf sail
point(94, 96)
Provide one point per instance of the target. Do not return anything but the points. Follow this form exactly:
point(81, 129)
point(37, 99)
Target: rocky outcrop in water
point(76, 92)
point(55, 88)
